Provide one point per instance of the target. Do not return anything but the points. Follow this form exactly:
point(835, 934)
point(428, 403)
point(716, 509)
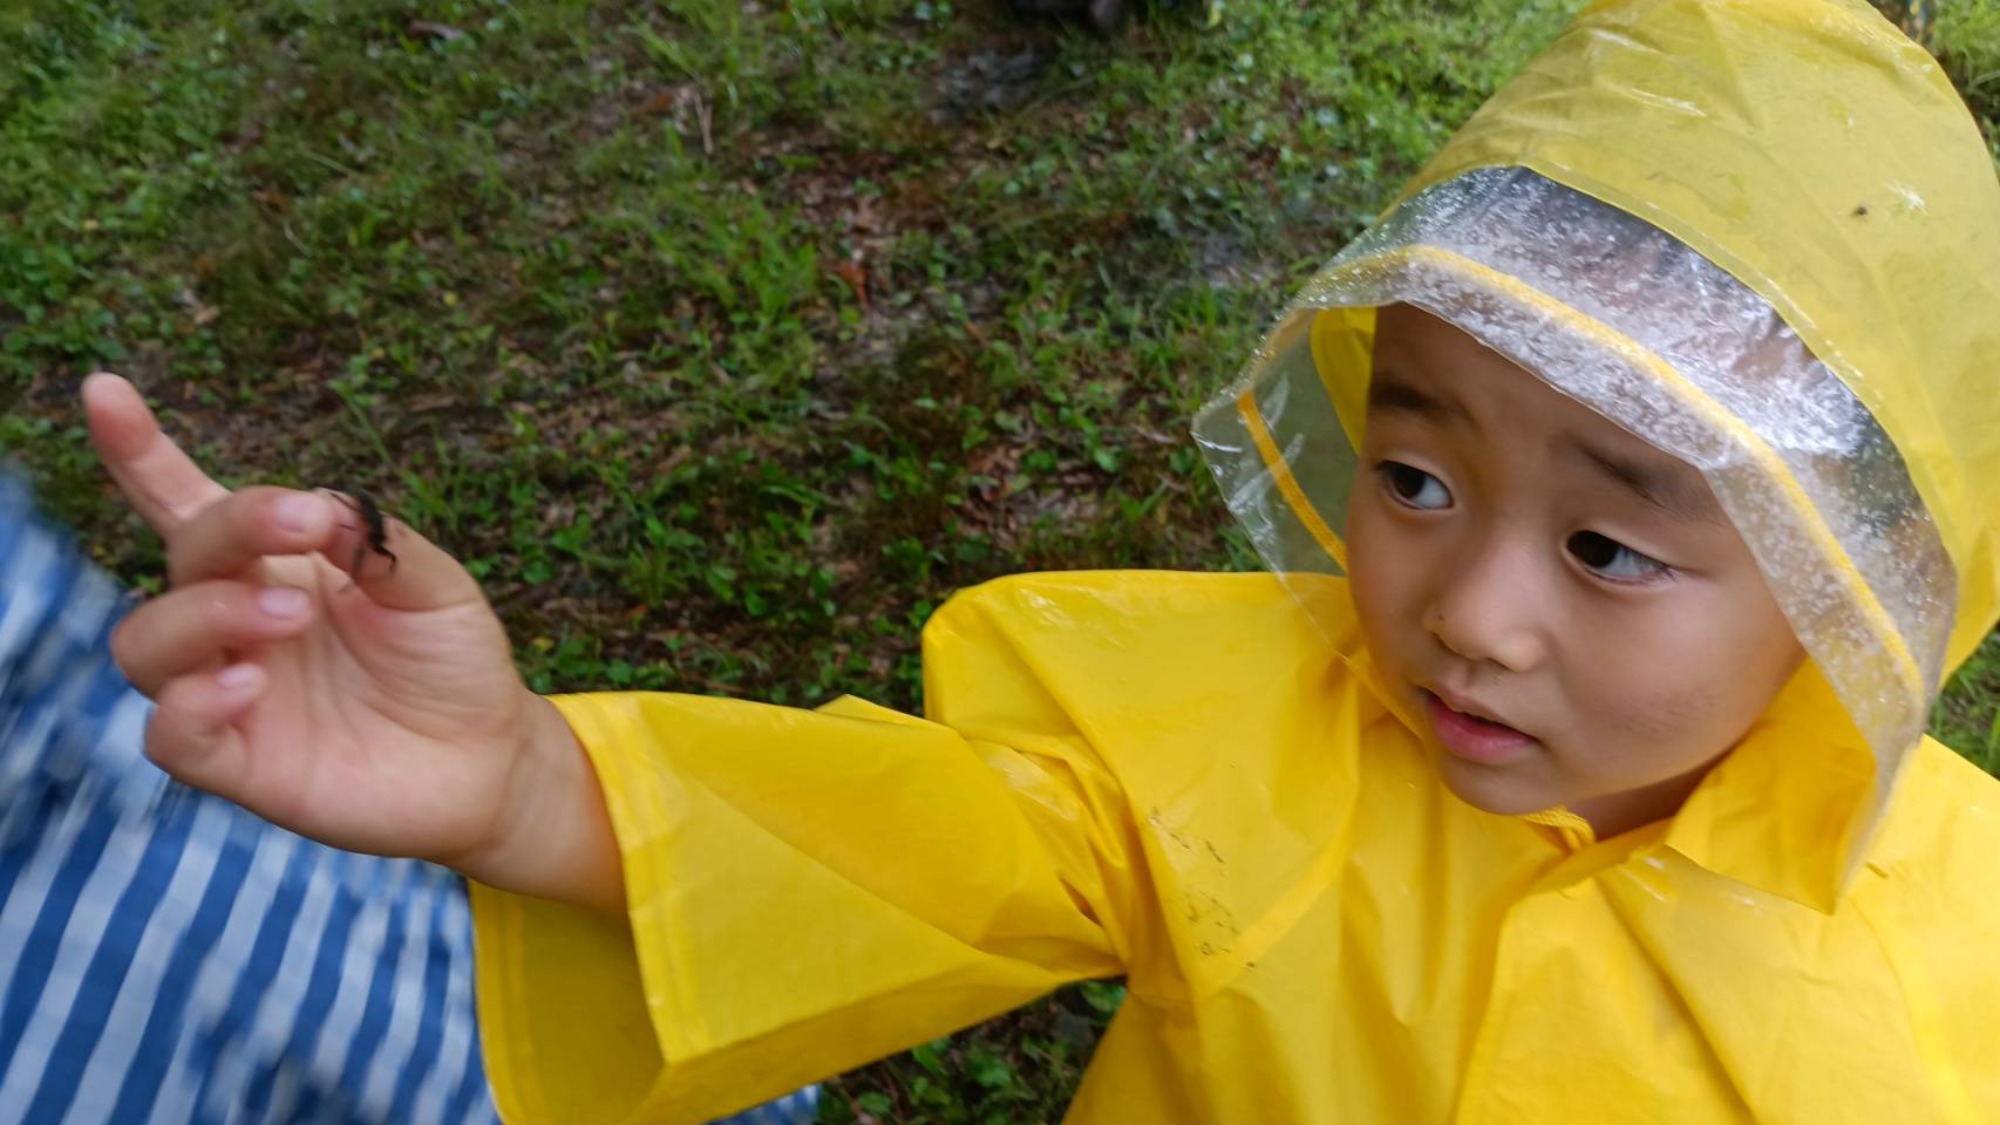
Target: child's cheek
point(1380, 587)
point(1647, 720)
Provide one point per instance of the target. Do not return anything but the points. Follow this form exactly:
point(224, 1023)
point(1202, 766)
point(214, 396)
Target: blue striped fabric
point(166, 956)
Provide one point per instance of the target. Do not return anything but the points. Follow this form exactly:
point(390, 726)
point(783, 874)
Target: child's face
point(1568, 606)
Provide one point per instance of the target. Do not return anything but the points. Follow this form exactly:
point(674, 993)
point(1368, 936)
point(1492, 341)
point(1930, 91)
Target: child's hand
point(377, 710)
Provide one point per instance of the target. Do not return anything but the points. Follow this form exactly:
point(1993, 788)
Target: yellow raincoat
point(1193, 780)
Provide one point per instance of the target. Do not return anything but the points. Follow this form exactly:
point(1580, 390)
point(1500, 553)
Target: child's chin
point(1498, 790)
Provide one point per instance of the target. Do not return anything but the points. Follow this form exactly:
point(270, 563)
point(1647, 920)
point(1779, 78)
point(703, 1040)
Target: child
point(1649, 429)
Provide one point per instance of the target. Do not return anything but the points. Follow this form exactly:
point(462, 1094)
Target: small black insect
point(377, 539)
point(1861, 212)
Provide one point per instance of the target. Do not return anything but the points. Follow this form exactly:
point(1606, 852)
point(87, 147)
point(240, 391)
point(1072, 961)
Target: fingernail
point(238, 677)
point(282, 601)
point(298, 511)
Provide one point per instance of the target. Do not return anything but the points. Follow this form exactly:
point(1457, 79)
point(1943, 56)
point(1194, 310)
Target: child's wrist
point(552, 837)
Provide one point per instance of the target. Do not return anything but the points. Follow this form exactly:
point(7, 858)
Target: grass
point(723, 339)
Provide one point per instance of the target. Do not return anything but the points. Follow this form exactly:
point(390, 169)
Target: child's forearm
point(556, 840)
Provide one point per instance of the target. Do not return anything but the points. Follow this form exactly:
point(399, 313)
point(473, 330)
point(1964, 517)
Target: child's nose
point(1488, 609)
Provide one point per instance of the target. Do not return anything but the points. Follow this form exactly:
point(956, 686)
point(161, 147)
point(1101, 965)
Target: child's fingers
point(191, 628)
point(225, 538)
point(159, 480)
point(191, 736)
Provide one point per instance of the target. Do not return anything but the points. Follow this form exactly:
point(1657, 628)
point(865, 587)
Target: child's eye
point(1413, 487)
point(1608, 558)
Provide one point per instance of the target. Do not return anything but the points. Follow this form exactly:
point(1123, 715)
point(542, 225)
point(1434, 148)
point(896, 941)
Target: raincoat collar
point(1783, 811)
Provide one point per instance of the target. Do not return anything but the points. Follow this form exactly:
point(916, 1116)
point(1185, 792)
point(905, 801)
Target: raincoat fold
point(1763, 236)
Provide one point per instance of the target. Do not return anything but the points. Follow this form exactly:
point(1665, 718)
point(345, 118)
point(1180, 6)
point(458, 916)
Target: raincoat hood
point(1764, 236)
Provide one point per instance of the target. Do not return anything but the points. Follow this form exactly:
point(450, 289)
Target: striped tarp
point(166, 956)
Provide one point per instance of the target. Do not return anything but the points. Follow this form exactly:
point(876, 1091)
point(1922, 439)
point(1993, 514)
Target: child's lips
point(1473, 738)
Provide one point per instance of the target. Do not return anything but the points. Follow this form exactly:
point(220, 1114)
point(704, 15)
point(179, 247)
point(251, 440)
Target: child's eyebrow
point(1387, 391)
point(1673, 490)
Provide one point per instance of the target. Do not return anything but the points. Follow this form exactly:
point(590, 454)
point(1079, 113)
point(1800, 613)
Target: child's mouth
point(1472, 738)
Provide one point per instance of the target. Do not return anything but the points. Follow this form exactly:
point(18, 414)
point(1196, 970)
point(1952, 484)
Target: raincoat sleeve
point(810, 890)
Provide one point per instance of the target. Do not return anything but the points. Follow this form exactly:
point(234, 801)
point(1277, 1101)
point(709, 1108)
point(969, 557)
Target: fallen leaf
point(856, 277)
